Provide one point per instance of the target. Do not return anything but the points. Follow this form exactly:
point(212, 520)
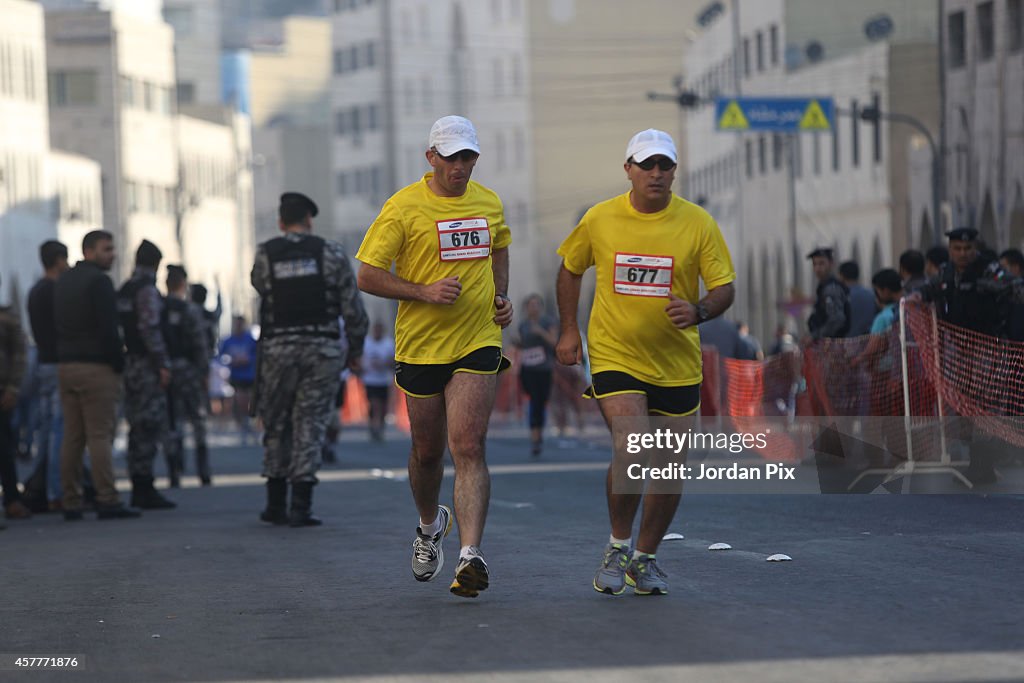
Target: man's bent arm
point(718, 300)
point(567, 291)
point(499, 264)
point(380, 282)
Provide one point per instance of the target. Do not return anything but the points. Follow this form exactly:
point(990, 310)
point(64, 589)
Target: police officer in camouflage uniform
point(305, 283)
point(185, 334)
point(147, 373)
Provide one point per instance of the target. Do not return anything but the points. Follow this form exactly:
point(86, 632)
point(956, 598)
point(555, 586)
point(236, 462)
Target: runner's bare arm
point(683, 314)
point(502, 304)
point(379, 282)
point(569, 349)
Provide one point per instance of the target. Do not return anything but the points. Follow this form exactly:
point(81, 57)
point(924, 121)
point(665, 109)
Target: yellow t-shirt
point(640, 258)
point(430, 238)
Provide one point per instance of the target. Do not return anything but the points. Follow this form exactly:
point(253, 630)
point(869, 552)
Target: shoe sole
point(470, 581)
point(440, 552)
point(607, 589)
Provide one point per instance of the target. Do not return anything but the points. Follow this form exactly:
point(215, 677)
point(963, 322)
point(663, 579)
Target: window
point(342, 184)
point(340, 123)
point(371, 55)
point(746, 57)
point(796, 144)
point(353, 58)
point(957, 40)
point(835, 148)
point(186, 93)
point(376, 182)
point(762, 155)
point(986, 31)
point(498, 75)
point(760, 51)
point(855, 133)
point(817, 153)
point(127, 91)
point(1014, 25)
point(777, 151)
point(750, 159)
point(774, 44)
point(131, 196)
point(148, 97)
point(339, 61)
point(72, 88)
point(357, 123)
point(517, 75)
point(30, 75)
point(371, 117)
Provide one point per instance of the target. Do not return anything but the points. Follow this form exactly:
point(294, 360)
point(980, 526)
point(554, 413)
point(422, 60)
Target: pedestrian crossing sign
point(733, 118)
point(814, 118)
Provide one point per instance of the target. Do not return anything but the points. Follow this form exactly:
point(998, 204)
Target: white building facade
point(851, 185)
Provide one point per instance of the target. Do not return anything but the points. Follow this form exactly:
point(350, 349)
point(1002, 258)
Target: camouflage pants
point(298, 383)
point(145, 408)
point(187, 400)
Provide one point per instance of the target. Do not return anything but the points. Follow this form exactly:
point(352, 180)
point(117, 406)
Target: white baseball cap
point(650, 142)
point(451, 134)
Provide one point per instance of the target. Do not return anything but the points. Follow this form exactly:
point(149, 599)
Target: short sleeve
point(716, 267)
point(882, 322)
point(384, 239)
point(502, 233)
point(577, 251)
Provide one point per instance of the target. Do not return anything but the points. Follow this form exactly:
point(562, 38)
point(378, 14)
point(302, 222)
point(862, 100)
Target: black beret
point(962, 235)
point(821, 251)
point(148, 254)
point(297, 198)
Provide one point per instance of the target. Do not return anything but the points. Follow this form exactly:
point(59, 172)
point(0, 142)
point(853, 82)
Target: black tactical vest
point(299, 296)
point(172, 324)
point(964, 305)
point(820, 315)
point(129, 317)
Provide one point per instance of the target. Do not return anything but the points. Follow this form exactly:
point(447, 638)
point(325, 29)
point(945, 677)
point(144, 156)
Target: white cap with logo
point(648, 143)
point(451, 134)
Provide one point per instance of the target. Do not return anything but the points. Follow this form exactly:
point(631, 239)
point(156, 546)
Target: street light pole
point(873, 114)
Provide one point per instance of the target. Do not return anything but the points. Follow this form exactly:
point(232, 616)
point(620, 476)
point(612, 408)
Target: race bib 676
point(464, 239)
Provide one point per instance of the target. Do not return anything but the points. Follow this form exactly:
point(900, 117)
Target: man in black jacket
point(831, 317)
point(90, 361)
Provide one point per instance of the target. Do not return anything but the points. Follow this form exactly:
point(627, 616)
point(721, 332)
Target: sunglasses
point(663, 163)
point(466, 155)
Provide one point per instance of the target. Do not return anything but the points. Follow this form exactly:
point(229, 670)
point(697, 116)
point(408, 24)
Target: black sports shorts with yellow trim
point(427, 381)
point(670, 401)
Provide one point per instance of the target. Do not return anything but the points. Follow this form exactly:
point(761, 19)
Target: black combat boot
point(145, 497)
point(203, 465)
point(302, 504)
point(277, 502)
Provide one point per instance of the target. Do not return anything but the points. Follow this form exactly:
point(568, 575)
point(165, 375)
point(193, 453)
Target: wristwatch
point(703, 315)
point(503, 296)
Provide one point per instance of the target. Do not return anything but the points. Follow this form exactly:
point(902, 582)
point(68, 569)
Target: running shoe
point(470, 576)
point(646, 576)
point(611, 575)
point(427, 556)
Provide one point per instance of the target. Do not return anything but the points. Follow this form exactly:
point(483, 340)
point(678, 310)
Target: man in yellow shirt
point(650, 249)
point(447, 238)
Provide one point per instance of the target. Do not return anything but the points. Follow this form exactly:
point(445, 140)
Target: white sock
point(469, 551)
point(637, 553)
point(432, 528)
point(626, 542)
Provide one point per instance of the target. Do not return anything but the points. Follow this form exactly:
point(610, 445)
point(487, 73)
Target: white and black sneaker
point(427, 556)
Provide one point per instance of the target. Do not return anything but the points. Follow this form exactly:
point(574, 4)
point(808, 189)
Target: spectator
point(198, 294)
point(90, 359)
point(750, 346)
point(378, 376)
point(12, 369)
point(238, 352)
point(54, 256)
point(934, 259)
point(831, 316)
point(862, 300)
point(1012, 261)
point(538, 335)
point(784, 341)
point(912, 271)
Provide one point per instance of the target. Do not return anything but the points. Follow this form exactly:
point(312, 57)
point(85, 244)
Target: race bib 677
point(643, 274)
point(464, 239)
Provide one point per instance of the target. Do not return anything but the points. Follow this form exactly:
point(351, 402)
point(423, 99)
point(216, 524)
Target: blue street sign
point(775, 114)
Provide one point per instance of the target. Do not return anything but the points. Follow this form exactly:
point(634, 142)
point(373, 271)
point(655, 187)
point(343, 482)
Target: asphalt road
point(880, 588)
